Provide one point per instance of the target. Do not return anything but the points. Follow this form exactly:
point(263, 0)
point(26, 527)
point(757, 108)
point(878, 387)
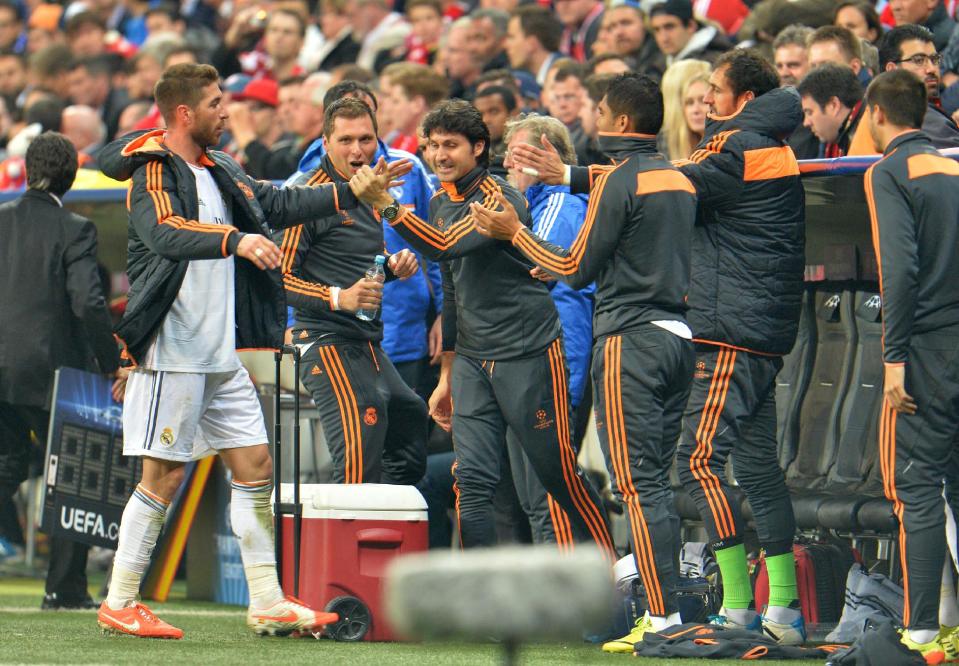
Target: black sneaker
point(56, 602)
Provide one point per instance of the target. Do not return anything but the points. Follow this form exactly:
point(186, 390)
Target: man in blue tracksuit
point(407, 304)
point(557, 216)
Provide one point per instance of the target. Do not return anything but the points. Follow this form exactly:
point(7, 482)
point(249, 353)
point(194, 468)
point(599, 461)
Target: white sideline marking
point(160, 611)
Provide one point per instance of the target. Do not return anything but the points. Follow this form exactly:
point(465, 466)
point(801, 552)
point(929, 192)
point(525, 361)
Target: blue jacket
point(406, 303)
point(557, 217)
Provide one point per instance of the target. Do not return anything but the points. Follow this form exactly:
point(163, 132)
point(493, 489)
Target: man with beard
point(200, 265)
point(375, 424)
point(635, 243)
point(911, 47)
point(509, 368)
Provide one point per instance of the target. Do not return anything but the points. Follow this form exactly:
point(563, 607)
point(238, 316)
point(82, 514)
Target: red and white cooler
point(350, 533)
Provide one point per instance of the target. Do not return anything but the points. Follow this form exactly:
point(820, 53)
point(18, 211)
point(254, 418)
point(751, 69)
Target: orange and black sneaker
point(137, 620)
point(287, 616)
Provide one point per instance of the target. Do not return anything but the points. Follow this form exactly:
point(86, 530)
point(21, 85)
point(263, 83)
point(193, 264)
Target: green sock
point(782, 579)
point(737, 592)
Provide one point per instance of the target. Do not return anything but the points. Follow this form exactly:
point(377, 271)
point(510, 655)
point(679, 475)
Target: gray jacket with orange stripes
point(335, 250)
point(635, 242)
point(748, 255)
point(913, 197)
point(501, 312)
point(164, 235)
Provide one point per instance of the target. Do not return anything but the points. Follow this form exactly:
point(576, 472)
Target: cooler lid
point(357, 497)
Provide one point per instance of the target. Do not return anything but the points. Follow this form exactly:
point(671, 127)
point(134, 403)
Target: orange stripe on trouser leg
point(456, 504)
point(620, 457)
point(724, 503)
point(561, 527)
point(348, 463)
point(574, 484)
point(653, 586)
point(587, 507)
point(358, 443)
point(897, 506)
point(697, 459)
point(699, 462)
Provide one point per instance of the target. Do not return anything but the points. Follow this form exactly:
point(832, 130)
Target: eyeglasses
point(920, 60)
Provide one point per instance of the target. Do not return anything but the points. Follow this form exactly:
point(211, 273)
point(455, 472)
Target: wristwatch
point(391, 212)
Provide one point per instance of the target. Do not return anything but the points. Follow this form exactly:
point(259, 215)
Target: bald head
point(82, 126)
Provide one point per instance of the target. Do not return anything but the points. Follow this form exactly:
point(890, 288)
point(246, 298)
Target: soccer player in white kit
point(202, 285)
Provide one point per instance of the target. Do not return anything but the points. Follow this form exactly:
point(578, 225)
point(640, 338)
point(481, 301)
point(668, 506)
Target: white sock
point(948, 608)
point(782, 614)
point(660, 622)
point(139, 529)
point(741, 616)
point(252, 520)
point(921, 636)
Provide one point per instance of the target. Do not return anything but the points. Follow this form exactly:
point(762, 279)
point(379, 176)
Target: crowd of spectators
point(87, 68)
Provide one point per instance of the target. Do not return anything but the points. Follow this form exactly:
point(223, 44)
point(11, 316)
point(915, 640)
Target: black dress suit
point(54, 314)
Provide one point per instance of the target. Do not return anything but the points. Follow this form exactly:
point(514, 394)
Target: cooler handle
point(379, 536)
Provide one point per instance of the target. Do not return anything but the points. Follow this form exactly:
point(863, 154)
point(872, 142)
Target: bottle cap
point(380, 259)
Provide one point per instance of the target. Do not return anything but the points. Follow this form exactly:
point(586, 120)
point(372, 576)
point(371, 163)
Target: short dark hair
point(539, 22)
point(349, 108)
point(570, 70)
point(831, 80)
point(458, 117)
point(747, 71)
point(595, 61)
point(435, 5)
point(507, 95)
point(168, 9)
point(848, 43)
point(97, 65)
point(290, 11)
point(81, 19)
point(499, 77)
point(47, 111)
point(182, 84)
point(890, 46)
point(866, 9)
point(351, 88)
point(638, 97)
point(681, 9)
point(901, 95)
point(597, 84)
point(51, 163)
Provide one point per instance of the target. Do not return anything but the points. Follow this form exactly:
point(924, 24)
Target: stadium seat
point(792, 381)
point(819, 415)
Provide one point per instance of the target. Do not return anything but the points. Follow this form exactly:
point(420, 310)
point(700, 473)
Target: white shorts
point(185, 416)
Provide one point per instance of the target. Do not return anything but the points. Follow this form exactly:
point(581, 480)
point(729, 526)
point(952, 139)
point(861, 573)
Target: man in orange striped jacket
point(635, 243)
point(375, 425)
point(509, 368)
point(744, 302)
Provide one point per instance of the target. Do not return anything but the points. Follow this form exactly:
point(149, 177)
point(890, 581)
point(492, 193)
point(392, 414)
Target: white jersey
point(198, 334)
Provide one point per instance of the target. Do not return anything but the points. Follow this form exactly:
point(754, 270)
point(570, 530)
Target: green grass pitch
point(216, 634)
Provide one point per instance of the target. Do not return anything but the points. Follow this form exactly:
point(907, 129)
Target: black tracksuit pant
point(375, 425)
point(530, 396)
point(914, 454)
point(640, 385)
point(732, 409)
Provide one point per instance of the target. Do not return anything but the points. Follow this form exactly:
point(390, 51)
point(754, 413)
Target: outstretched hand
point(393, 171)
point(501, 224)
point(542, 163)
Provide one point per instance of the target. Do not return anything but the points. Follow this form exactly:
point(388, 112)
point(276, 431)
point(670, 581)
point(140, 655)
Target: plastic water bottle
point(377, 273)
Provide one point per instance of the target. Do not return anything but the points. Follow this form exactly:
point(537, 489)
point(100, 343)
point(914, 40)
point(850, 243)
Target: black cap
point(681, 9)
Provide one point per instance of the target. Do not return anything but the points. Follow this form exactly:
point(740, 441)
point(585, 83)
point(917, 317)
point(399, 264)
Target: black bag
point(879, 645)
